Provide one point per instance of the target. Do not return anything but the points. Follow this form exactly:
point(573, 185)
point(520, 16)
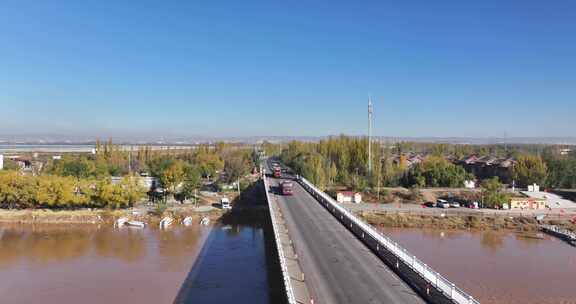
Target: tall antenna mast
point(506, 142)
point(370, 111)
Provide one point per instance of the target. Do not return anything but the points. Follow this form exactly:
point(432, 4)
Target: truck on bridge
point(277, 172)
point(286, 188)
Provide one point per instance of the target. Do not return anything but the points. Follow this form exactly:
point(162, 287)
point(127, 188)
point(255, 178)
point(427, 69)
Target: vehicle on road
point(225, 203)
point(440, 203)
point(471, 205)
point(277, 172)
point(286, 188)
point(455, 205)
point(428, 205)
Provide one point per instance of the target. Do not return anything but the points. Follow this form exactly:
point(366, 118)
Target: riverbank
point(250, 204)
point(92, 216)
point(496, 267)
point(459, 221)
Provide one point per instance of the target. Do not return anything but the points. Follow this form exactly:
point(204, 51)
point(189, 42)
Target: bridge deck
point(338, 268)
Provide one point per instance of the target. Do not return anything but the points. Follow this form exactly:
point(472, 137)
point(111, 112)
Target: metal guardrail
point(560, 231)
point(463, 212)
point(285, 275)
point(436, 280)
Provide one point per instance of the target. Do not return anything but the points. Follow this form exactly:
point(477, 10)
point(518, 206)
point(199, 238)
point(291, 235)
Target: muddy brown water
point(90, 264)
point(497, 267)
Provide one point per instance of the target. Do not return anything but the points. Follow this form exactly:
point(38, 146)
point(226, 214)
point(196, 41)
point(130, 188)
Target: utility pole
point(239, 197)
point(130, 161)
point(506, 143)
point(370, 110)
point(379, 179)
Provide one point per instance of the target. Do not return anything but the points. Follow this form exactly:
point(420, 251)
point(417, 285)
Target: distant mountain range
point(185, 140)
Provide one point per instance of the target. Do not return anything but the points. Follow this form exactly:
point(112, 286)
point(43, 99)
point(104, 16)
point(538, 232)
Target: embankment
point(457, 221)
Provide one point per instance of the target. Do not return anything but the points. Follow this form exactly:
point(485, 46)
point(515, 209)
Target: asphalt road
point(338, 267)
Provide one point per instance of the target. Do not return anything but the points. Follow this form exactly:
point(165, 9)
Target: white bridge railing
point(273, 209)
point(436, 280)
point(560, 231)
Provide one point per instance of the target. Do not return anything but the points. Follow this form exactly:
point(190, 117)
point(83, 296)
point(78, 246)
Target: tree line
point(52, 191)
point(85, 180)
point(343, 160)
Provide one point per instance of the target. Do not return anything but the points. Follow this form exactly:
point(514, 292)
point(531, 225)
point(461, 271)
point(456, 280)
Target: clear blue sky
point(236, 68)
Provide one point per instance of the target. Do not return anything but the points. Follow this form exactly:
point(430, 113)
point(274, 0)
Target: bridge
point(328, 255)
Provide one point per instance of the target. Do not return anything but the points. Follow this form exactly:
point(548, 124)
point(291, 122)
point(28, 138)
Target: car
point(455, 205)
point(473, 205)
point(428, 205)
point(442, 203)
point(225, 203)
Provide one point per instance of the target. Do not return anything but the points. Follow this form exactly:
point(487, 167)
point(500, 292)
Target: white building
point(348, 197)
point(533, 188)
point(469, 184)
point(146, 182)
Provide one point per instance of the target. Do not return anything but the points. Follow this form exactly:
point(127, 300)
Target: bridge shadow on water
point(238, 262)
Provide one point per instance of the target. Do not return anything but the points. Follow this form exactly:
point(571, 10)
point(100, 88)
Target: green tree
point(529, 169)
point(436, 171)
point(56, 191)
point(561, 171)
point(192, 183)
point(492, 192)
point(209, 162)
point(236, 165)
point(333, 173)
point(172, 176)
point(78, 167)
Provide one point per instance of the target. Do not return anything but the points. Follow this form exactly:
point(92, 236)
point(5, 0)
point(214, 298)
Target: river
point(497, 267)
point(91, 264)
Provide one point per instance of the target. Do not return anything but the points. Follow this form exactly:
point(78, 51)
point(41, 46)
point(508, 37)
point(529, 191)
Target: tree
point(529, 169)
point(80, 167)
point(55, 191)
point(492, 192)
point(172, 176)
point(208, 162)
point(561, 171)
point(436, 171)
point(235, 166)
point(132, 192)
point(10, 184)
point(192, 182)
point(333, 173)
point(108, 195)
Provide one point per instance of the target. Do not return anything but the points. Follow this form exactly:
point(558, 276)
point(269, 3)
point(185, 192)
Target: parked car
point(225, 203)
point(440, 203)
point(473, 205)
point(455, 205)
point(429, 205)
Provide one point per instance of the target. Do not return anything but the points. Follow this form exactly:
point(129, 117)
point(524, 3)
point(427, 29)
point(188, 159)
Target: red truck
point(277, 172)
point(286, 188)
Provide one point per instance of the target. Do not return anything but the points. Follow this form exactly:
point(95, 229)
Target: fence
point(285, 275)
point(456, 212)
point(425, 272)
point(564, 233)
